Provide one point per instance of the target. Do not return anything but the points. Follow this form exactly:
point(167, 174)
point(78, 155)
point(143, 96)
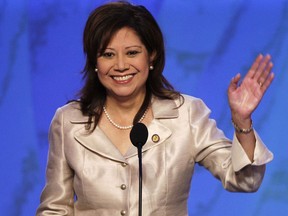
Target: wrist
point(244, 128)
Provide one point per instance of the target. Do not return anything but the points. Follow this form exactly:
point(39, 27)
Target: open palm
point(245, 97)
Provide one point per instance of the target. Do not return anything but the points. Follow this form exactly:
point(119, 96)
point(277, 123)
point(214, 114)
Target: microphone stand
point(138, 137)
point(140, 178)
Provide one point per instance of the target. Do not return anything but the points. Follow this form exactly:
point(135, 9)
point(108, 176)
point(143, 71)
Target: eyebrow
point(133, 46)
point(138, 46)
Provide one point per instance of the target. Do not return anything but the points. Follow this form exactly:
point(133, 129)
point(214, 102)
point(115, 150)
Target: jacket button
point(123, 187)
point(123, 212)
point(124, 164)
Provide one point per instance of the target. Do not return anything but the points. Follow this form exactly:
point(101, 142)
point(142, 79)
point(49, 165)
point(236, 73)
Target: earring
point(96, 70)
point(151, 67)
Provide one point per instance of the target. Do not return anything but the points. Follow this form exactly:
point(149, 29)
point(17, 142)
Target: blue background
point(207, 43)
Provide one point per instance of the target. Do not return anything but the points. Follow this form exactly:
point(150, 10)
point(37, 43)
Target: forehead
point(125, 36)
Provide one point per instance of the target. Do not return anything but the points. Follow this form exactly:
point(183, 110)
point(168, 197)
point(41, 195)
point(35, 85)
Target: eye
point(108, 54)
point(132, 53)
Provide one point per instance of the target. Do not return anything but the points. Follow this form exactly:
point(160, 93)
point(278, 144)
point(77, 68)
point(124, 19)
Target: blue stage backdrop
point(207, 43)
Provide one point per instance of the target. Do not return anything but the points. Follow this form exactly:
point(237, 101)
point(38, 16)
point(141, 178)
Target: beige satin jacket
point(87, 175)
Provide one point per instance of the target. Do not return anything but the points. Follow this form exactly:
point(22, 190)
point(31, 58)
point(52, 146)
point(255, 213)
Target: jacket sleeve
point(57, 197)
point(224, 158)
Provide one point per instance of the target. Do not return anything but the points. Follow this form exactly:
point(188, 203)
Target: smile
point(122, 78)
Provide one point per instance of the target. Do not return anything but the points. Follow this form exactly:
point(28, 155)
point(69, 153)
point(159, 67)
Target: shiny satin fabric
point(87, 175)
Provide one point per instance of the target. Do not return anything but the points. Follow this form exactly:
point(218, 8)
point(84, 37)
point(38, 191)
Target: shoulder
point(190, 99)
point(194, 112)
point(183, 105)
point(183, 99)
point(71, 112)
point(192, 102)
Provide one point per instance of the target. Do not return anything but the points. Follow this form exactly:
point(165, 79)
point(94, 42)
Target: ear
point(152, 56)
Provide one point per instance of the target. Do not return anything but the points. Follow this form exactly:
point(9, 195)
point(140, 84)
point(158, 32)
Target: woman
point(92, 166)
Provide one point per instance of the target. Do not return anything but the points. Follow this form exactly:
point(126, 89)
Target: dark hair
point(100, 27)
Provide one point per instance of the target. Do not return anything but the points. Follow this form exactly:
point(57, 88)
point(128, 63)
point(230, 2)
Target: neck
point(122, 111)
point(125, 104)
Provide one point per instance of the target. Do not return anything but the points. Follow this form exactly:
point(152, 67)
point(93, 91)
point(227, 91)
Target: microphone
point(138, 137)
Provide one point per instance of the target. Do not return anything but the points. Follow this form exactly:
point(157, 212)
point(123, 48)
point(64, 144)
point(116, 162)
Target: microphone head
point(139, 135)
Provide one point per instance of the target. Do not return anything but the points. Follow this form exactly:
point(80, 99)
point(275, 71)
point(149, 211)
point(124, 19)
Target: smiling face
point(123, 67)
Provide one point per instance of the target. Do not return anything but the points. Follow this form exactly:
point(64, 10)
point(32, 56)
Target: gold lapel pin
point(155, 138)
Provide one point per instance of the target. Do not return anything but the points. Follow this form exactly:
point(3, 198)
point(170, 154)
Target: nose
point(121, 65)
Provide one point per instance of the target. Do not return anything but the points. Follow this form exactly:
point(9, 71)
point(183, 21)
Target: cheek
point(102, 74)
point(142, 65)
point(102, 77)
point(144, 75)
point(102, 66)
point(103, 69)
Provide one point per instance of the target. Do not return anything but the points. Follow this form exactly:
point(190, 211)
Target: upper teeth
point(122, 78)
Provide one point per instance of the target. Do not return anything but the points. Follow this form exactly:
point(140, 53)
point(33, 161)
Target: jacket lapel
point(98, 143)
point(157, 133)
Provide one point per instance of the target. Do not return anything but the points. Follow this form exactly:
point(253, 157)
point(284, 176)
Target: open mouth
point(122, 78)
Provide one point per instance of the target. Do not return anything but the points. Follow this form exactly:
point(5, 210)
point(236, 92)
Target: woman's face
point(123, 68)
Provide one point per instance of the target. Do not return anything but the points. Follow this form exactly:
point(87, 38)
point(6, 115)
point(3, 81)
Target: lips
point(122, 78)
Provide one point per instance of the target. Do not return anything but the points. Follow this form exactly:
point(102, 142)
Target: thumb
point(234, 83)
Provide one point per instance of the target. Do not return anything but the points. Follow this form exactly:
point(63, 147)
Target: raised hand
point(244, 97)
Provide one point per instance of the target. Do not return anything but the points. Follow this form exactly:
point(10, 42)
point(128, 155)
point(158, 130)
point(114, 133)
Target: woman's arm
point(246, 96)
point(57, 197)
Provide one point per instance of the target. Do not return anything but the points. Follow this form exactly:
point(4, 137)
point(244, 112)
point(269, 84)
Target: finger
point(234, 82)
point(265, 74)
point(268, 81)
point(254, 66)
point(264, 64)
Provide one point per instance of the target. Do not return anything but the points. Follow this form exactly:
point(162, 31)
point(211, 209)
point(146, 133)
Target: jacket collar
point(164, 108)
point(158, 133)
